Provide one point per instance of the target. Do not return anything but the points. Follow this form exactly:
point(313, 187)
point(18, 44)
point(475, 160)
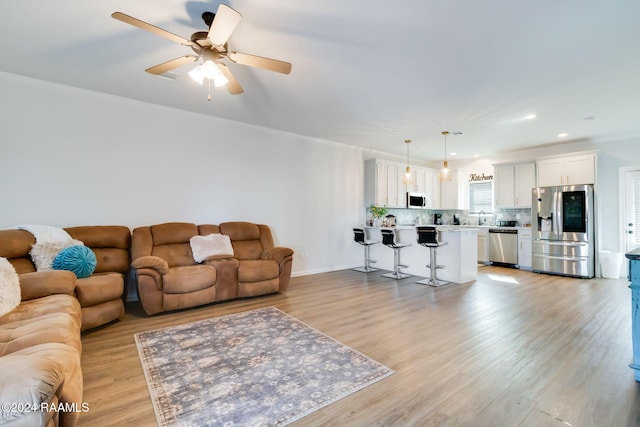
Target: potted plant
point(378, 212)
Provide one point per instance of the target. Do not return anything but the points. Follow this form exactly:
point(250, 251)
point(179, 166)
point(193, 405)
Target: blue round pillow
point(78, 259)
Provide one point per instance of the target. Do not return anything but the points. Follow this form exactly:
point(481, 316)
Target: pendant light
point(407, 171)
point(444, 173)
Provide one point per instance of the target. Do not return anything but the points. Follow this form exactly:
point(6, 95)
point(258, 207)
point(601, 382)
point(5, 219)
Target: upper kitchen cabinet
point(426, 181)
point(568, 170)
point(454, 192)
point(383, 184)
point(386, 185)
point(513, 184)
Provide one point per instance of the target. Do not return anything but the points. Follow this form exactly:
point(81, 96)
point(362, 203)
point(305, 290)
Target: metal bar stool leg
point(433, 266)
point(397, 274)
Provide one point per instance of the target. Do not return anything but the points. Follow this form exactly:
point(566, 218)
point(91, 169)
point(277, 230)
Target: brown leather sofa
point(40, 351)
point(168, 278)
point(101, 294)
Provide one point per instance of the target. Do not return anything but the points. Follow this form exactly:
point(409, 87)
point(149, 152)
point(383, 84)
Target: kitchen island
point(459, 255)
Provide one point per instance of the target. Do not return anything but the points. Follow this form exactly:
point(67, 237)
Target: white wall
point(71, 157)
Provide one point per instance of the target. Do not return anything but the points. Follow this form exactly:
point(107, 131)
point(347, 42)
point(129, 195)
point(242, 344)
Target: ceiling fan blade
point(223, 24)
point(233, 86)
point(151, 28)
point(260, 62)
point(170, 65)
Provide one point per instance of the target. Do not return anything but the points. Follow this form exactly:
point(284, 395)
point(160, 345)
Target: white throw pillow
point(43, 254)
point(209, 245)
point(9, 287)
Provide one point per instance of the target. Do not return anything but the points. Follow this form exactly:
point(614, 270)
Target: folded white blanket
point(46, 233)
point(49, 242)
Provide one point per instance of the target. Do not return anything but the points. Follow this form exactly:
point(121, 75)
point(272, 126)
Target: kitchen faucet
point(481, 218)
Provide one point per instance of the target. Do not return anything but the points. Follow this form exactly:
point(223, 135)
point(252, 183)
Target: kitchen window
point(481, 196)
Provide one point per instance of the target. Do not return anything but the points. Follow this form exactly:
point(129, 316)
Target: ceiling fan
point(210, 46)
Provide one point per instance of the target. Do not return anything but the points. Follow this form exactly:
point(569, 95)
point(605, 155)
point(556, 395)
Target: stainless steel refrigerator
point(563, 240)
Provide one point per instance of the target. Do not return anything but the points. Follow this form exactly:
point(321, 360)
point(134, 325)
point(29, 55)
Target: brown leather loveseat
point(168, 278)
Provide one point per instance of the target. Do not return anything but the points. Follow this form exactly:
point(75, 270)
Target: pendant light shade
point(408, 176)
point(445, 174)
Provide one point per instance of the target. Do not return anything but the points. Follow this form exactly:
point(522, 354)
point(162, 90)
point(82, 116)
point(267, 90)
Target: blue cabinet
point(634, 277)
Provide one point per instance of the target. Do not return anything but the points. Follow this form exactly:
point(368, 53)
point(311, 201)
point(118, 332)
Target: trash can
point(610, 263)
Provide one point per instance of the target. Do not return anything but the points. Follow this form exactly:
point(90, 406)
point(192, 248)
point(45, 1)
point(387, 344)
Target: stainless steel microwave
point(416, 200)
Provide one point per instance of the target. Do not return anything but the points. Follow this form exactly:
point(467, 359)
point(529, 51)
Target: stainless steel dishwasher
point(503, 246)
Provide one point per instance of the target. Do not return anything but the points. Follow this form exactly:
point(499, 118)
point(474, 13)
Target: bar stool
point(428, 237)
point(389, 240)
point(360, 237)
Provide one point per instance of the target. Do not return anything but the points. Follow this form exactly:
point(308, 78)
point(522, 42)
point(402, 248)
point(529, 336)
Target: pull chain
point(209, 97)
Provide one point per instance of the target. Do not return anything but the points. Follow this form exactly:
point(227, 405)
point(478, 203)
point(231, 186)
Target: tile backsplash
point(425, 216)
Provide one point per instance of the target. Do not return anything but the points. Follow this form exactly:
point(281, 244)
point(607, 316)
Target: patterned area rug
point(257, 368)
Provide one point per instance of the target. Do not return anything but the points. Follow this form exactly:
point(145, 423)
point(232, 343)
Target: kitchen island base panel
point(460, 255)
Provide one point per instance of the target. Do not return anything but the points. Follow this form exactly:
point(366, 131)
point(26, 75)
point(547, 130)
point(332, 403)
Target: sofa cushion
point(213, 244)
point(80, 260)
point(110, 244)
point(9, 287)
point(257, 270)
point(49, 328)
point(39, 307)
point(173, 232)
point(99, 288)
point(191, 278)
point(176, 254)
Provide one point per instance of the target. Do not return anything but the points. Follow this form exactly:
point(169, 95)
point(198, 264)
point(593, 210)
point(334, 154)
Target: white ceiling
point(368, 73)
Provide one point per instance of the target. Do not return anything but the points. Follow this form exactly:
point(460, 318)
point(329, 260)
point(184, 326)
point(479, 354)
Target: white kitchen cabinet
point(524, 248)
point(426, 181)
point(483, 246)
point(512, 185)
point(454, 193)
point(395, 186)
point(568, 170)
point(384, 184)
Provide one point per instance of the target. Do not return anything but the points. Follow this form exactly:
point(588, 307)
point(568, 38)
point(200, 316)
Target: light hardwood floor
point(513, 348)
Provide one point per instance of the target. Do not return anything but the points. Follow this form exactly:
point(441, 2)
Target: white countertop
point(438, 227)
point(447, 227)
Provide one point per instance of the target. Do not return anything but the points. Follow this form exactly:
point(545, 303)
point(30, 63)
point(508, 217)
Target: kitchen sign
point(479, 177)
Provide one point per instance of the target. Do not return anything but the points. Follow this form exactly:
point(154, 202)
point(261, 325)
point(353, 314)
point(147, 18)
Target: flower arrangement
point(378, 211)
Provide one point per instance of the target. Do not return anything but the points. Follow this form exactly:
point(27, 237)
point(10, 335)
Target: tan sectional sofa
point(101, 295)
point(168, 278)
point(40, 353)
point(40, 340)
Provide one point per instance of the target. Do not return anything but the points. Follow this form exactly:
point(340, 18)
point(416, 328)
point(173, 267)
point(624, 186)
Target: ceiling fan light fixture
point(197, 74)
point(208, 70)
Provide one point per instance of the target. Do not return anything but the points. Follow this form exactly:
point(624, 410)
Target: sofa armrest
point(277, 254)
point(27, 384)
point(42, 283)
point(152, 262)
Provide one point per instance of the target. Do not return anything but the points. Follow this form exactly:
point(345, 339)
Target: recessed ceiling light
point(589, 118)
point(562, 135)
point(454, 154)
point(530, 117)
point(476, 155)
